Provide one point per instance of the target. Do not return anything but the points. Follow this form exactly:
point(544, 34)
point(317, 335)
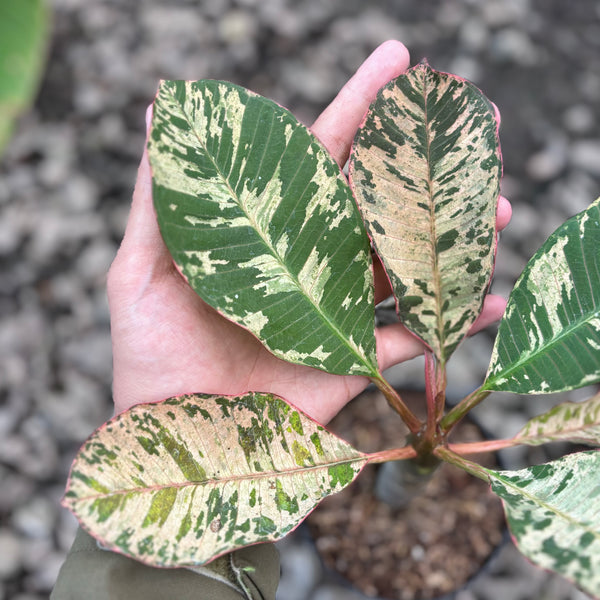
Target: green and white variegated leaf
point(23, 37)
point(576, 422)
point(262, 223)
point(188, 479)
point(549, 338)
point(553, 512)
point(425, 169)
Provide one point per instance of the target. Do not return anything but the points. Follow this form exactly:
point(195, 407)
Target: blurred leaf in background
point(23, 33)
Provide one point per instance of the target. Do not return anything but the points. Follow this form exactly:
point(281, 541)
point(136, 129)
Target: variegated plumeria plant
point(265, 228)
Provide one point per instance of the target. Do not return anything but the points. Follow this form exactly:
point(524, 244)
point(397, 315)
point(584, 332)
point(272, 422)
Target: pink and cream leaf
point(425, 170)
point(185, 480)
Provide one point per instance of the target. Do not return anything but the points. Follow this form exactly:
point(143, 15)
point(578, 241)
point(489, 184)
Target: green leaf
point(549, 338)
point(425, 169)
point(552, 513)
point(262, 223)
point(576, 422)
point(23, 33)
point(185, 480)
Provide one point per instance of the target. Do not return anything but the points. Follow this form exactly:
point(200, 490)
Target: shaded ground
point(66, 181)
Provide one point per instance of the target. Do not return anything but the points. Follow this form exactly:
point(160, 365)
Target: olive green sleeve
point(95, 574)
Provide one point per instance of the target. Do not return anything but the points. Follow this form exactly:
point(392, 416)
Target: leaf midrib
point(437, 281)
point(346, 341)
point(361, 458)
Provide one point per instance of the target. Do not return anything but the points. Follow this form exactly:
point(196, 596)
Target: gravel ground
point(66, 180)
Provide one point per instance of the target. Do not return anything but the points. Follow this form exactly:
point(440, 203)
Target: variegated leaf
point(185, 480)
point(425, 169)
point(262, 223)
point(553, 512)
point(576, 422)
point(549, 338)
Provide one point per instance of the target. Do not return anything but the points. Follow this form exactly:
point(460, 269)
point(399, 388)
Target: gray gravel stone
point(11, 554)
point(302, 569)
point(549, 162)
point(12, 448)
point(474, 34)
point(67, 527)
point(16, 489)
point(35, 519)
point(499, 13)
point(77, 410)
point(41, 459)
point(513, 45)
point(579, 118)
point(467, 67)
point(585, 155)
point(579, 187)
point(45, 572)
point(79, 194)
point(238, 27)
point(468, 366)
point(62, 230)
point(90, 353)
point(331, 592)
point(93, 263)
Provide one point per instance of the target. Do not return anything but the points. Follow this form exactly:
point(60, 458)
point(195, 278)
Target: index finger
point(337, 124)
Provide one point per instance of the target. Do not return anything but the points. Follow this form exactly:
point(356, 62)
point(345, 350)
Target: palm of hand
point(169, 342)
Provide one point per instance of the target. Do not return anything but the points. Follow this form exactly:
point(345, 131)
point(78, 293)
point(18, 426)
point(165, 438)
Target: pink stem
point(464, 448)
point(393, 454)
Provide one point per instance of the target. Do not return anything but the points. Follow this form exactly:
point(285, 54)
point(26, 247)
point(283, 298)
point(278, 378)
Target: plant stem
point(462, 408)
point(464, 448)
point(430, 394)
point(466, 465)
point(397, 404)
point(435, 390)
point(394, 454)
point(440, 377)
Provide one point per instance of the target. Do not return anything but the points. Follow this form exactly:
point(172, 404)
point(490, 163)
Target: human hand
point(167, 341)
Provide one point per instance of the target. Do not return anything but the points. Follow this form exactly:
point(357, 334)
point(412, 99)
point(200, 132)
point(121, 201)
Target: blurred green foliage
point(24, 26)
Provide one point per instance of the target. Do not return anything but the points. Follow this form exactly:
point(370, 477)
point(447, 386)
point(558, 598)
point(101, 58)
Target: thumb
point(142, 253)
point(142, 231)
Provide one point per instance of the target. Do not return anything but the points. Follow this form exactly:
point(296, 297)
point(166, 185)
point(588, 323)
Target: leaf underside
point(425, 169)
point(576, 422)
point(553, 514)
point(549, 338)
point(260, 220)
point(185, 480)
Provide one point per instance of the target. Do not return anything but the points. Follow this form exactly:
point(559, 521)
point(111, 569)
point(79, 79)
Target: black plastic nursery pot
point(426, 551)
